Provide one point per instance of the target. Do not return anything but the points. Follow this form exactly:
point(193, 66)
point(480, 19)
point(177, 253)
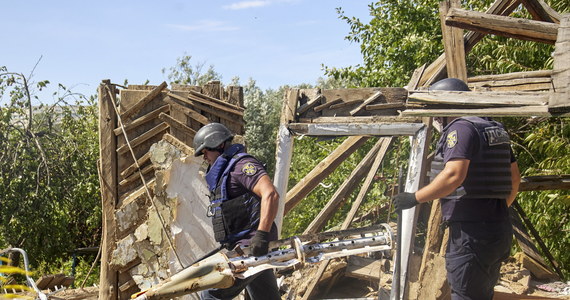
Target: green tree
point(49, 185)
point(183, 72)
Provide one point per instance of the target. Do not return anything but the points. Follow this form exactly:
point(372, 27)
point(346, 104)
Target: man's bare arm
point(265, 189)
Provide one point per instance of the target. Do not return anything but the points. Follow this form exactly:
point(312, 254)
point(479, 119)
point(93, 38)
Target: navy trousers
point(474, 255)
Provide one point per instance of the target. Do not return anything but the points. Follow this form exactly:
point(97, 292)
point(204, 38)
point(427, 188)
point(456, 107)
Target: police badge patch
point(249, 169)
point(452, 139)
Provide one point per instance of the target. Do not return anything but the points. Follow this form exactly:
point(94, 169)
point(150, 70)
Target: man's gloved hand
point(405, 201)
point(259, 243)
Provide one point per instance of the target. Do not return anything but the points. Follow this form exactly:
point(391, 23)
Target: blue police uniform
point(235, 210)
point(480, 233)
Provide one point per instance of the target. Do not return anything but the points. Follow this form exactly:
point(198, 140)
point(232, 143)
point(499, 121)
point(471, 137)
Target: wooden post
point(108, 163)
point(560, 98)
point(284, 151)
point(414, 181)
point(453, 43)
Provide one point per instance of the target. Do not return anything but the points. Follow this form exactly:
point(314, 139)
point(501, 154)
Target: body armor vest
point(234, 218)
point(488, 176)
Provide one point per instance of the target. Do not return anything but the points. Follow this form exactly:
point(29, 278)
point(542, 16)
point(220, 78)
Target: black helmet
point(449, 84)
point(210, 136)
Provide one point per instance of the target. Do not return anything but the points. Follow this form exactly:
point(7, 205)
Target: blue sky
point(275, 42)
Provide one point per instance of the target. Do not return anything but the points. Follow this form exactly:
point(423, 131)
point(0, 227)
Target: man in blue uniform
point(243, 206)
point(477, 178)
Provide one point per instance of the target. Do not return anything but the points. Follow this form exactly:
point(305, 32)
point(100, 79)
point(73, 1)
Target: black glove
point(404, 201)
point(259, 243)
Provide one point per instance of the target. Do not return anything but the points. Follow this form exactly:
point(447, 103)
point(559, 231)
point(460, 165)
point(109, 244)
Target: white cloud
point(246, 4)
point(205, 26)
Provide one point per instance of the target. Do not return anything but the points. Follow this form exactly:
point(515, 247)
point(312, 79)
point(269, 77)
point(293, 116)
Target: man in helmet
point(243, 206)
point(476, 176)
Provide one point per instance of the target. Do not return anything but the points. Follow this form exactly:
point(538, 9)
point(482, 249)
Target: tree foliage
point(49, 185)
point(403, 35)
point(183, 72)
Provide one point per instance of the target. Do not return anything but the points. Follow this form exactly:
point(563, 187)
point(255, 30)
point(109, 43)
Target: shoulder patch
point(249, 169)
point(452, 139)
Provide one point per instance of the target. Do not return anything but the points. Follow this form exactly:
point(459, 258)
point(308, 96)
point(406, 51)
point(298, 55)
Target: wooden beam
point(452, 43)
point(541, 183)
point(414, 82)
point(310, 104)
point(173, 123)
point(366, 102)
point(560, 99)
point(541, 11)
point(343, 191)
point(518, 28)
point(136, 175)
point(144, 101)
point(284, 150)
point(143, 137)
point(385, 106)
point(108, 180)
point(522, 111)
point(178, 144)
point(511, 76)
point(133, 167)
point(436, 70)
point(360, 120)
point(376, 129)
point(186, 110)
point(143, 119)
point(209, 100)
point(322, 170)
point(216, 104)
point(385, 143)
point(483, 99)
point(327, 105)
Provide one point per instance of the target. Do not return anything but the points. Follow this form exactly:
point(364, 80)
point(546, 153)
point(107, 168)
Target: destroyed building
point(154, 198)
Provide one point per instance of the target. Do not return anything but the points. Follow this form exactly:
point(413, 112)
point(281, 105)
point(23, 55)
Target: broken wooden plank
point(413, 84)
point(548, 182)
point(327, 105)
point(173, 123)
point(216, 103)
point(186, 110)
point(385, 106)
point(541, 11)
point(473, 98)
point(144, 101)
point(560, 99)
point(385, 143)
point(546, 74)
point(143, 137)
point(521, 111)
point(348, 129)
point(310, 104)
point(519, 84)
point(137, 175)
point(133, 167)
point(366, 268)
point(178, 144)
point(344, 191)
point(452, 42)
point(142, 120)
point(518, 28)
point(366, 102)
point(345, 104)
point(322, 170)
point(360, 120)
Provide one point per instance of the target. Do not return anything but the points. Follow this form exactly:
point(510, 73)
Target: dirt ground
point(516, 283)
